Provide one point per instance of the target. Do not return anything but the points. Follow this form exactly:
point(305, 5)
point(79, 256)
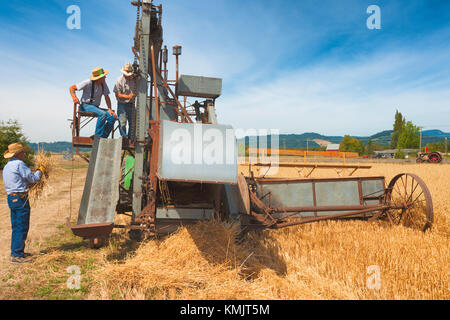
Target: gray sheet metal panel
point(202, 87)
point(373, 188)
point(182, 151)
point(288, 195)
point(300, 194)
point(184, 213)
point(101, 189)
point(336, 193)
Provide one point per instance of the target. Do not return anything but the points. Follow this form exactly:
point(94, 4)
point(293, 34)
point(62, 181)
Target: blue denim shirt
point(16, 176)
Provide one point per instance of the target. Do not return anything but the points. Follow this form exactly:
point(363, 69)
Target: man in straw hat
point(126, 90)
point(93, 90)
point(16, 178)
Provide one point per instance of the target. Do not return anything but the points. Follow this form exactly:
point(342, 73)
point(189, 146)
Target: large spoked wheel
point(410, 202)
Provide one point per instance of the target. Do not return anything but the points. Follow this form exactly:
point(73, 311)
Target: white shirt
point(86, 86)
point(17, 176)
point(126, 86)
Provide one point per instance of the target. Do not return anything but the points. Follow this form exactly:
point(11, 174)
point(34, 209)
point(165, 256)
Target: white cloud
point(332, 98)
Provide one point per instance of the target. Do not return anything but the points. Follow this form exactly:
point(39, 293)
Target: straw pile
point(326, 260)
point(42, 188)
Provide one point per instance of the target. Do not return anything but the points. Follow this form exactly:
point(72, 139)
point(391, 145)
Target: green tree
point(350, 144)
point(438, 146)
point(11, 132)
point(399, 155)
point(370, 147)
point(409, 138)
point(399, 126)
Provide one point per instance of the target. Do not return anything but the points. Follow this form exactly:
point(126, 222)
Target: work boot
point(19, 260)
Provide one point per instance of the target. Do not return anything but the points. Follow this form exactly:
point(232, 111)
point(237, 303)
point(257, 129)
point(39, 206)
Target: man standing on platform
point(126, 91)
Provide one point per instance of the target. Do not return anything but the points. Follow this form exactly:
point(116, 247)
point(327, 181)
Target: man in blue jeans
point(93, 90)
point(16, 178)
point(126, 90)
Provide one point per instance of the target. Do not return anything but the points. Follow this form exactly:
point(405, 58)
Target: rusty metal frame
point(312, 166)
point(265, 213)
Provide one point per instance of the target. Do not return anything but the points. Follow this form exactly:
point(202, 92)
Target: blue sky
point(297, 66)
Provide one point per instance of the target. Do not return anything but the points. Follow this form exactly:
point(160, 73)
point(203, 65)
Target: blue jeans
point(20, 223)
point(125, 113)
point(105, 122)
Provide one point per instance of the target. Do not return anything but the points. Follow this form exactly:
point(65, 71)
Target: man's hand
point(72, 90)
point(42, 170)
point(112, 113)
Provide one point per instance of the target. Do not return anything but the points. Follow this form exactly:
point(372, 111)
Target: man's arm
point(118, 91)
point(124, 96)
point(27, 175)
point(72, 90)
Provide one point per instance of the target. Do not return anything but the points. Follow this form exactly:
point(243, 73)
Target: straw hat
point(127, 70)
point(14, 149)
point(98, 73)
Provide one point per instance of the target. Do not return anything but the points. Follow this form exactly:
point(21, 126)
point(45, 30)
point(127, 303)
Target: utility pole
point(420, 143)
point(446, 145)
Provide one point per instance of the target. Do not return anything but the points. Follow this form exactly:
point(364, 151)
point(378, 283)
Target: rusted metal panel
point(92, 230)
point(101, 189)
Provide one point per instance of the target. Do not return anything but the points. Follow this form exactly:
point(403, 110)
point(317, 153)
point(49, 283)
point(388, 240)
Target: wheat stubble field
point(326, 260)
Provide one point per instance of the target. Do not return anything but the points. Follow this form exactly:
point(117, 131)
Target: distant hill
point(435, 133)
point(287, 141)
point(56, 147)
point(383, 138)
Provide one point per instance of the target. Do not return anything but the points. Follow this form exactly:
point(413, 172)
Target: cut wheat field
point(327, 260)
point(324, 260)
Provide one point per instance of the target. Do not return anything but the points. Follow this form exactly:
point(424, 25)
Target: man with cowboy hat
point(93, 90)
point(126, 90)
point(16, 178)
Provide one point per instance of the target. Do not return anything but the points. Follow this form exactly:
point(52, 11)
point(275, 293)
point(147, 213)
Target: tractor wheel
point(410, 202)
point(434, 157)
point(419, 160)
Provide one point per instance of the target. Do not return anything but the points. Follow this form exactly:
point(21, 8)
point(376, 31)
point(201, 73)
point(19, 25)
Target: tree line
point(11, 132)
point(405, 135)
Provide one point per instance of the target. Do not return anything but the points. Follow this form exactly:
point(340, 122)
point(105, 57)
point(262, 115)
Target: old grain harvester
point(161, 177)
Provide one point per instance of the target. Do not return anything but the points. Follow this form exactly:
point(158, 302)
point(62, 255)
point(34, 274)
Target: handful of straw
point(40, 189)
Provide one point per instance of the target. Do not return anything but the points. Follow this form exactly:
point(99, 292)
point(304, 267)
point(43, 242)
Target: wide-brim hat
point(13, 149)
point(127, 70)
point(98, 73)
